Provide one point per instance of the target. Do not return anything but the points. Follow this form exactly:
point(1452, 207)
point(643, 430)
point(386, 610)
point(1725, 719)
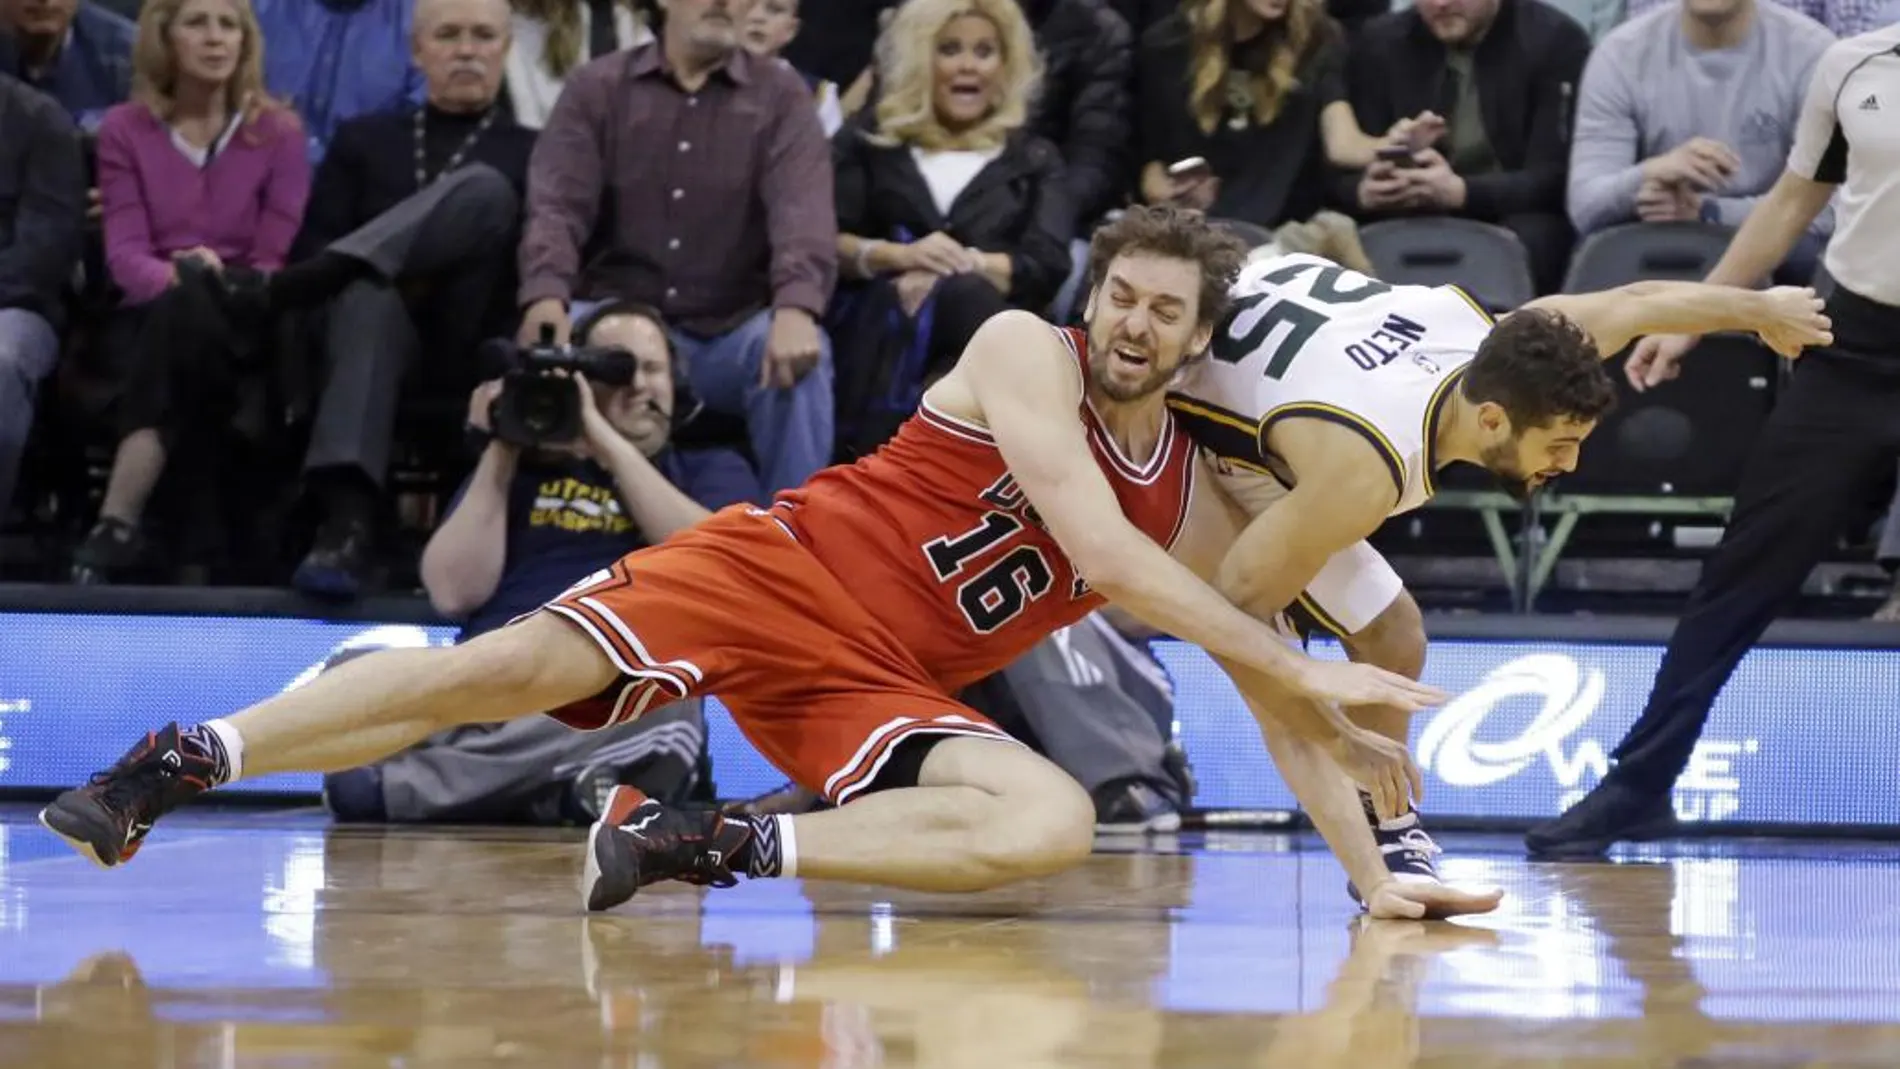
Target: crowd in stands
point(255, 247)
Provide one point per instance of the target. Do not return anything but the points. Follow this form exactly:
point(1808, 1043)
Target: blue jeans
point(793, 431)
point(28, 350)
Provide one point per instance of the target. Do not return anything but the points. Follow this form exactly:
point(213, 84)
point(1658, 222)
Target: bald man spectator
point(407, 246)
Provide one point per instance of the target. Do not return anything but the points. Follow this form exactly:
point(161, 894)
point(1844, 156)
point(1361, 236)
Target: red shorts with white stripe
point(736, 608)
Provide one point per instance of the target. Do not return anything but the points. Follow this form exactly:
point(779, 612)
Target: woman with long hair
point(202, 183)
point(552, 37)
point(949, 210)
point(1244, 106)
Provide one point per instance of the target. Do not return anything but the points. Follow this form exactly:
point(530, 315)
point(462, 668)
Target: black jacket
point(837, 38)
point(370, 167)
point(1018, 203)
point(42, 200)
point(1085, 108)
point(1527, 69)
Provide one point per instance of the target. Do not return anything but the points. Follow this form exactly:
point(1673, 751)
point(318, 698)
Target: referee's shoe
point(1609, 814)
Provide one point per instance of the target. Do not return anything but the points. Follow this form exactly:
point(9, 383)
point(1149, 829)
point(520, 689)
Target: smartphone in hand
point(1190, 169)
point(1397, 155)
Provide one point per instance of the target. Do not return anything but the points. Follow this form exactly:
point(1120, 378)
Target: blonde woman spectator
point(944, 199)
point(1256, 91)
point(552, 37)
point(202, 181)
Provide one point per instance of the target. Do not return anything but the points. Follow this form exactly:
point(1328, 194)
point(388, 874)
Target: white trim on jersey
point(950, 424)
point(1140, 474)
point(639, 648)
point(1187, 499)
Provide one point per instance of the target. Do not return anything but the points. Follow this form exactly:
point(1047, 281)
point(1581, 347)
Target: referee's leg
point(1833, 434)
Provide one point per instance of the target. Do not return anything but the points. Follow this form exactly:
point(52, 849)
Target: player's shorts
point(735, 608)
point(1354, 586)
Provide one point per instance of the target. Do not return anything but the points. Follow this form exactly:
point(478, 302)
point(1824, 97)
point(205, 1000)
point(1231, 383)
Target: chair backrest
point(1682, 252)
point(1486, 261)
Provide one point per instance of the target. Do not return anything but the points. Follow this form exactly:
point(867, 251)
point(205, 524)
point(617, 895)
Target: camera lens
point(541, 410)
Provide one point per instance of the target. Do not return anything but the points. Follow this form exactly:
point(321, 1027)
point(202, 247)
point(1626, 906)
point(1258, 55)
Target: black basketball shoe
point(1609, 814)
point(1410, 853)
point(109, 817)
point(637, 841)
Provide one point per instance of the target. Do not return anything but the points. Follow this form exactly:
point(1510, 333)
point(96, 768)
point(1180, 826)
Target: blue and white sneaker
point(1410, 853)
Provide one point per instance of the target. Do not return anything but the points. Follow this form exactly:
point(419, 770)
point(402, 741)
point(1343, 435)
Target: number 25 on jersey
point(1253, 331)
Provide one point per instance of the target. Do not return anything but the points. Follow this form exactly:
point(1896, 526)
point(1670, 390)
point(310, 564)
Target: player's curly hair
point(1540, 367)
point(1178, 234)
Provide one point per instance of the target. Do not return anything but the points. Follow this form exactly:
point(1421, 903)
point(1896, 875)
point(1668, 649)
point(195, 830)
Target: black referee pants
point(1833, 434)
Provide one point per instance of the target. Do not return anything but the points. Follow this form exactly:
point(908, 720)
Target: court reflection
point(302, 946)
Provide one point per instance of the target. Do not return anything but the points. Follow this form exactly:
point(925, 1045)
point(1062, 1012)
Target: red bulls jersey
point(935, 538)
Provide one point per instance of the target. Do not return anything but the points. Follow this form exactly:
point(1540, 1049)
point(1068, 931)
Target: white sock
point(787, 846)
point(233, 744)
point(1407, 819)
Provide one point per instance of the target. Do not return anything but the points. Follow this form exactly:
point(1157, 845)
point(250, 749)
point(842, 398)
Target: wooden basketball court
point(249, 939)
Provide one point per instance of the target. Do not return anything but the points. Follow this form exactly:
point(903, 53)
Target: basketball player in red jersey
point(1043, 475)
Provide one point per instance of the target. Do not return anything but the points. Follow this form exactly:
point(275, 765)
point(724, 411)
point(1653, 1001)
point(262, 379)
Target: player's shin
point(1394, 641)
point(1326, 796)
point(360, 712)
point(922, 839)
point(984, 812)
point(371, 707)
point(987, 813)
point(353, 714)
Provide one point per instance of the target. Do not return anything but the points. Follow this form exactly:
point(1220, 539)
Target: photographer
point(527, 524)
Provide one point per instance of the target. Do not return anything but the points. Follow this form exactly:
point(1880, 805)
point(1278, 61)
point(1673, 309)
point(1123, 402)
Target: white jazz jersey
point(1307, 337)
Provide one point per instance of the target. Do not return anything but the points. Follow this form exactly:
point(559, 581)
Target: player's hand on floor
point(1420, 900)
point(1383, 767)
point(1352, 685)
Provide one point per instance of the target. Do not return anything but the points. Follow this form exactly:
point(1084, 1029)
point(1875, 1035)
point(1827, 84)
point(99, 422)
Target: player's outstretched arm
point(1330, 802)
point(1766, 237)
point(1343, 490)
point(1377, 763)
point(1788, 318)
point(1026, 388)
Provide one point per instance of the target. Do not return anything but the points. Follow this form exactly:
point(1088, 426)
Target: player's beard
point(1121, 390)
point(1501, 461)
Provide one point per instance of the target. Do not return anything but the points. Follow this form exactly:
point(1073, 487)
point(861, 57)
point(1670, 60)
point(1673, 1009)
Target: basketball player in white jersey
point(1330, 400)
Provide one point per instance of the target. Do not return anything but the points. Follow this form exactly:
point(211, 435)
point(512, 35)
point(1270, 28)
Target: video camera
point(537, 406)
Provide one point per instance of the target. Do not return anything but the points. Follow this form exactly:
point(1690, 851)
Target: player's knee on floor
point(1394, 640)
point(1039, 820)
point(1045, 828)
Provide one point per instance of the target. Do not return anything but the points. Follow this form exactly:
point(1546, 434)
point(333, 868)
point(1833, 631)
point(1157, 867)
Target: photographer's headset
point(686, 404)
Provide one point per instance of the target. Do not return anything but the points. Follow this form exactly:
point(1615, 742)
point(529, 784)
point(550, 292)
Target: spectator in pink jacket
point(202, 181)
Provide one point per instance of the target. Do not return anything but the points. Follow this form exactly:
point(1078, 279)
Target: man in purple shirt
point(689, 175)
